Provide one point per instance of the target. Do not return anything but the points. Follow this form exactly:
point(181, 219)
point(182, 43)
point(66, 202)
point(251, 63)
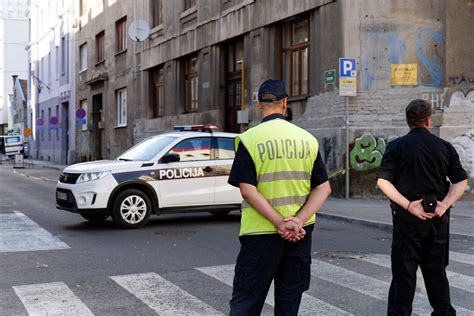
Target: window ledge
point(188, 12)
point(157, 28)
point(100, 62)
point(120, 52)
point(120, 126)
point(82, 71)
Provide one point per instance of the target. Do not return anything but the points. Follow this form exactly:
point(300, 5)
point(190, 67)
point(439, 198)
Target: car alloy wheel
point(133, 209)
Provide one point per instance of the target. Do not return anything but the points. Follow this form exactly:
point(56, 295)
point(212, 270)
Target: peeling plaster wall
point(381, 33)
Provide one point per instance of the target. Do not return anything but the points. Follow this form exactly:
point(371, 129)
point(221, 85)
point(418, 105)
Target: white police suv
point(181, 171)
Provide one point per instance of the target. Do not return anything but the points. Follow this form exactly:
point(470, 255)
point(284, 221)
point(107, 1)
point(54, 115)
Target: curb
point(381, 225)
point(52, 167)
point(44, 166)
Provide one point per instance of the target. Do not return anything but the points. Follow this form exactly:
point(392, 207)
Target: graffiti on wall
point(462, 98)
point(458, 80)
point(435, 98)
point(329, 152)
point(367, 152)
point(383, 48)
point(464, 145)
point(428, 37)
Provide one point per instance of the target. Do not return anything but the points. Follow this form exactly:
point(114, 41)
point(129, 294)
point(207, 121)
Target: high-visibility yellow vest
point(284, 156)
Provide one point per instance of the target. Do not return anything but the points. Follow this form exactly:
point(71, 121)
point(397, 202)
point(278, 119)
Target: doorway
point(64, 139)
point(97, 135)
point(233, 84)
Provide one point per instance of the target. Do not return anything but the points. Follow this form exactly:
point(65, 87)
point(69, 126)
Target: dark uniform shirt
point(244, 171)
point(418, 164)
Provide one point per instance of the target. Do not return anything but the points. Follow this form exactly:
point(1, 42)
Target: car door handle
point(208, 169)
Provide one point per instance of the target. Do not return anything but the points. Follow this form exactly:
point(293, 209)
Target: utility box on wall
point(243, 117)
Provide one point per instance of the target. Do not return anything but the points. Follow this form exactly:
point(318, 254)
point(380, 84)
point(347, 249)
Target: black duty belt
point(400, 213)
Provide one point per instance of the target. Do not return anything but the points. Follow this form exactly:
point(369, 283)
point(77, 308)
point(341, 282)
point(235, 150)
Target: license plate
point(62, 196)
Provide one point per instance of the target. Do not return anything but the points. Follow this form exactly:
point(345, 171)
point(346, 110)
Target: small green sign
point(330, 76)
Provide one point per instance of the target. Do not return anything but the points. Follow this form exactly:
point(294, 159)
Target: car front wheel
point(131, 209)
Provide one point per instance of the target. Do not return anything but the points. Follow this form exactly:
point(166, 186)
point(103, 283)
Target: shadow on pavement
point(167, 220)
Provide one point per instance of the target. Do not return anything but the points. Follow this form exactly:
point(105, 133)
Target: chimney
point(15, 77)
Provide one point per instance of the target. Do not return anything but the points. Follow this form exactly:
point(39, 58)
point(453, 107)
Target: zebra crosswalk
point(199, 291)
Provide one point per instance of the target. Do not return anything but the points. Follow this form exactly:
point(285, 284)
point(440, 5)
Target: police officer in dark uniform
point(283, 181)
point(413, 175)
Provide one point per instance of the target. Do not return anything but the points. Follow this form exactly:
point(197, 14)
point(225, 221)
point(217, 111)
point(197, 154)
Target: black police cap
point(272, 90)
point(418, 109)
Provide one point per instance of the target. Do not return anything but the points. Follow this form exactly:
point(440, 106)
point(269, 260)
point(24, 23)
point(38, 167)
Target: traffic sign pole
point(347, 87)
point(347, 147)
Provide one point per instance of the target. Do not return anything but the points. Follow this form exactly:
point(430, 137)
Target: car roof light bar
point(203, 128)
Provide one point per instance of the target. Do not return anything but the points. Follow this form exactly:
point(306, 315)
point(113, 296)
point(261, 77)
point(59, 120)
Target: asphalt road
point(177, 263)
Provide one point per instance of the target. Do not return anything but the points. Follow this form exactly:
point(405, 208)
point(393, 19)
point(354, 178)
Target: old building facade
point(105, 79)
point(189, 71)
point(13, 57)
point(51, 102)
point(18, 100)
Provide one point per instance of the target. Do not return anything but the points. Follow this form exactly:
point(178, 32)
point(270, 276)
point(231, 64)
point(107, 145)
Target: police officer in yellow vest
point(283, 181)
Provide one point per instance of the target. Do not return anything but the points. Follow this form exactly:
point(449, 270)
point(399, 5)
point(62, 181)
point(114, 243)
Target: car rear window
point(193, 149)
point(225, 148)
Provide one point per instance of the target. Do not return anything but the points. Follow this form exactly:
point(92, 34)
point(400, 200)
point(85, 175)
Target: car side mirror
point(170, 157)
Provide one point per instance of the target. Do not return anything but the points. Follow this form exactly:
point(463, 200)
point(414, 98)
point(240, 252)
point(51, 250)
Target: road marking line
point(50, 299)
point(7, 202)
point(460, 281)
point(163, 296)
point(309, 304)
point(461, 257)
point(19, 233)
point(368, 285)
point(33, 177)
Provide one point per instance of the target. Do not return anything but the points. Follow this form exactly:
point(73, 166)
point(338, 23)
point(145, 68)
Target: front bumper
point(84, 196)
point(69, 204)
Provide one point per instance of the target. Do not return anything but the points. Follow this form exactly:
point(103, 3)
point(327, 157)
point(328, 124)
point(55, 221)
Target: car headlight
point(91, 176)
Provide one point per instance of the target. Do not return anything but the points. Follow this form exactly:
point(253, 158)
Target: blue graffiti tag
point(376, 68)
point(431, 65)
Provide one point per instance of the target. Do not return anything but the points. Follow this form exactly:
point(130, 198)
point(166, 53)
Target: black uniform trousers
point(263, 258)
point(425, 244)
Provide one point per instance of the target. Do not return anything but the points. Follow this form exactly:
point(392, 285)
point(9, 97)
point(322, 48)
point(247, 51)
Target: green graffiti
point(367, 152)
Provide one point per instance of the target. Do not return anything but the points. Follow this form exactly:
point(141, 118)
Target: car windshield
point(147, 149)
point(12, 140)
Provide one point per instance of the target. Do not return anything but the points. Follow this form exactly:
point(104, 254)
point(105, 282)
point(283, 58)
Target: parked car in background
point(11, 145)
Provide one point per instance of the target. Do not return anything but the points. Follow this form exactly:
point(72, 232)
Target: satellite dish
point(139, 30)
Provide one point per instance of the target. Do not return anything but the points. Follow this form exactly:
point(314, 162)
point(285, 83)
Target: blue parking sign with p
point(347, 67)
